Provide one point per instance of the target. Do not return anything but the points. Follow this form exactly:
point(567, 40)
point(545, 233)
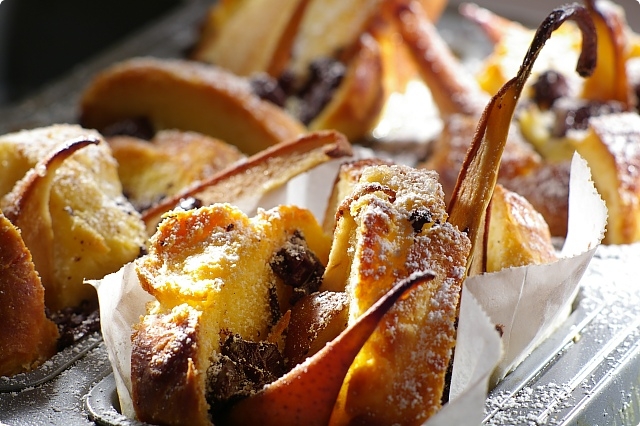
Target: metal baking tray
point(587, 372)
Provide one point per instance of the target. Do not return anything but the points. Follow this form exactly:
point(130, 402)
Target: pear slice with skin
point(259, 174)
point(27, 206)
point(479, 173)
point(609, 81)
point(306, 395)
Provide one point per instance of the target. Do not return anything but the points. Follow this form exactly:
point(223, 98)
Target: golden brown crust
point(610, 146)
point(518, 235)
point(189, 96)
point(168, 381)
point(27, 336)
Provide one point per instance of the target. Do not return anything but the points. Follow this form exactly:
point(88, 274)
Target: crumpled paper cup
point(527, 301)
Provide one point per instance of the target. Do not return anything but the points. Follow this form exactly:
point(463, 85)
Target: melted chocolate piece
point(244, 367)
point(268, 88)
point(74, 323)
point(325, 77)
point(575, 114)
point(419, 218)
point(139, 127)
point(297, 266)
point(549, 87)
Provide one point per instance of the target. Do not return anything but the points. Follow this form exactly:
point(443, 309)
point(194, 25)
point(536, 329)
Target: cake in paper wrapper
point(534, 310)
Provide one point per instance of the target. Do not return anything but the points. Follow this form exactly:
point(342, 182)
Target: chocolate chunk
point(324, 78)
point(419, 218)
point(297, 266)
point(268, 88)
point(76, 322)
point(549, 87)
point(575, 114)
point(139, 127)
point(244, 367)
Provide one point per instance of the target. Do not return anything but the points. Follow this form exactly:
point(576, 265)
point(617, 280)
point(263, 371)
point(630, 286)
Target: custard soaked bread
point(210, 271)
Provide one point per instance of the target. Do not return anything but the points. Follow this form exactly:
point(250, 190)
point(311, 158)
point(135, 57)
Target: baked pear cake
point(213, 271)
point(85, 226)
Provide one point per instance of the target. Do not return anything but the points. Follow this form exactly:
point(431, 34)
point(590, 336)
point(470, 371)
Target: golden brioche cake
point(152, 170)
point(392, 225)
point(185, 95)
point(221, 282)
point(518, 234)
point(27, 336)
point(86, 228)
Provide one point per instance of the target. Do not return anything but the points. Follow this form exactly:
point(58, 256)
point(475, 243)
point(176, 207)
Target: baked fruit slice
point(259, 174)
point(185, 95)
point(153, 170)
point(27, 336)
point(73, 217)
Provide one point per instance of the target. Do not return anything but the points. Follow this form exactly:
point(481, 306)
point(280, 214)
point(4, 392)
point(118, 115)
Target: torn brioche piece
point(27, 337)
point(212, 272)
point(392, 225)
point(518, 234)
point(172, 160)
point(70, 208)
point(611, 146)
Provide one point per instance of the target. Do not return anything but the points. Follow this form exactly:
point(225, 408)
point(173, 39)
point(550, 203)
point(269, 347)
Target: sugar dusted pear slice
point(27, 206)
point(76, 222)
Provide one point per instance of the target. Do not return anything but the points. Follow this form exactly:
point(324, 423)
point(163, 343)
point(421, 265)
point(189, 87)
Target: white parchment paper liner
point(528, 301)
